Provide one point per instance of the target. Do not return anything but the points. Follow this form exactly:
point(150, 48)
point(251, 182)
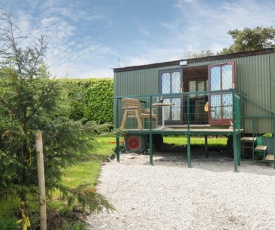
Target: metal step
point(261, 148)
point(248, 139)
point(269, 157)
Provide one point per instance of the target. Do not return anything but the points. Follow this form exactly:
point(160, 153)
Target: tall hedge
point(91, 99)
point(100, 96)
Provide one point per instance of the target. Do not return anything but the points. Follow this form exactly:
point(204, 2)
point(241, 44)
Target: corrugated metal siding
point(136, 82)
point(272, 74)
point(253, 76)
point(254, 81)
point(144, 81)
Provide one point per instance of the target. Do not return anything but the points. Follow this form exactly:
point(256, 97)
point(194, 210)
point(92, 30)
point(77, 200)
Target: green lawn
point(195, 140)
point(88, 170)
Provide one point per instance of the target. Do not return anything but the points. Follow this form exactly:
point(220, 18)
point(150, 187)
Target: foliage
point(76, 96)
point(267, 135)
point(100, 101)
point(195, 54)
point(29, 101)
point(8, 223)
point(250, 39)
point(87, 170)
point(91, 99)
point(87, 198)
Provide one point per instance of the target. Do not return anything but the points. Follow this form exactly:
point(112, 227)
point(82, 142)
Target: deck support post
point(188, 151)
point(206, 146)
point(239, 144)
point(236, 150)
point(151, 147)
point(117, 148)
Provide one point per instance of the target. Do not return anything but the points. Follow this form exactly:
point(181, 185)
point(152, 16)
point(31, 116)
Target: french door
point(170, 81)
point(221, 77)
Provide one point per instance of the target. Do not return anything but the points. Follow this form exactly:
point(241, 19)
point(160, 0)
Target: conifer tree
point(31, 100)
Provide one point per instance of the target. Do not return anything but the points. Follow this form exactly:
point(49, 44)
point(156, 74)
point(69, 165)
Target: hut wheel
point(135, 143)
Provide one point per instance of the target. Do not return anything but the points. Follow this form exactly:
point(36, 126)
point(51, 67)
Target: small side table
point(162, 105)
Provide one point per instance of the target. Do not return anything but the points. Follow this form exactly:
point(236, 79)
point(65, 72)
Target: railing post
point(188, 132)
point(150, 113)
point(188, 112)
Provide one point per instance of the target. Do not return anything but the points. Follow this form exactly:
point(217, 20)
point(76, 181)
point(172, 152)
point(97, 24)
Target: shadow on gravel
point(197, 152)
point(217, 159)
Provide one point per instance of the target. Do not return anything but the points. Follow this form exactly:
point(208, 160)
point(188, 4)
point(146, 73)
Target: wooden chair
point(133, 109)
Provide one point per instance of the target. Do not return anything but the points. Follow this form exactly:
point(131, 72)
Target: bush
point(91, 99)
point(8, 223)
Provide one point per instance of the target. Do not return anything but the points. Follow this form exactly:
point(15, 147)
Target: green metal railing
point(183, 108)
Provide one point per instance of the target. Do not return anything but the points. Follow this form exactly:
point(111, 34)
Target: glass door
point(170, 81)
point(221, 77)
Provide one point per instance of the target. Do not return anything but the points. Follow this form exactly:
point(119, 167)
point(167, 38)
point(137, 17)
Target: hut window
point(221, 77)
point(170, 81)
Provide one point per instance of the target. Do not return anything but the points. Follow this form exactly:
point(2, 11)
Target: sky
point(88, 38)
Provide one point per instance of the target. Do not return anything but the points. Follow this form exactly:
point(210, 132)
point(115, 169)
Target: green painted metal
point(206, 146)
point(189, 150)
point(237, 150)
point(236, 112)
point(239, 147)
point(117, 148)
point(151, 148)
point(151, 121)
point(235, 147)
point(236, 127)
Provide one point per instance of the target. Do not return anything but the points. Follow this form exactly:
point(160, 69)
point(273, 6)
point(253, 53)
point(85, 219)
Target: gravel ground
point(169, 195)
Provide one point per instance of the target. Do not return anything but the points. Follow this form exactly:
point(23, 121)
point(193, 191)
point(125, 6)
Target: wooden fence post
point(41, 181)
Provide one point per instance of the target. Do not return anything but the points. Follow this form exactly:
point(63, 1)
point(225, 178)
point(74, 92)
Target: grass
point(197, 140)
point(88, 171)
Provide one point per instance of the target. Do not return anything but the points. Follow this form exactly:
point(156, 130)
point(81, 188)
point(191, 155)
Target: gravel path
point(169, 195)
